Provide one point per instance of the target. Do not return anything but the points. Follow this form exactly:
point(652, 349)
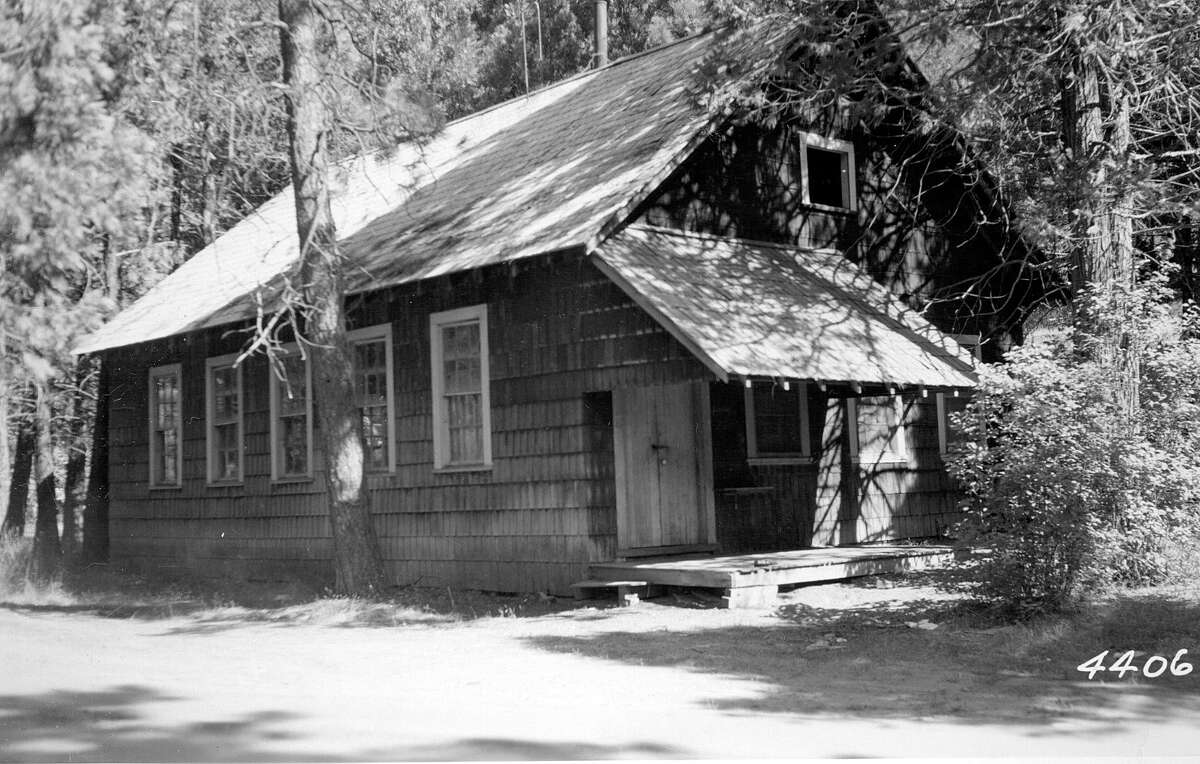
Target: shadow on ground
point(108, 726)
point(111, 726)
point(938, 659)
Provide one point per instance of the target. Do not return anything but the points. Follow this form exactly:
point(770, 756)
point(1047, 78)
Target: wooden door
point(663, 449)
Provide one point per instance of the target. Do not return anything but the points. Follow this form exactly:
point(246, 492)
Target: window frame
point(176, 370)
point(973, 343)
point(287, 351)
point(849, 178)
point(756, 458)
point(210, 404)
point(901, 451)
point(441, 435)
point(371, 334)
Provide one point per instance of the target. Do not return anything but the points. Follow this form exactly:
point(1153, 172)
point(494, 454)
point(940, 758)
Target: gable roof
point(552, 170)
point(763, 310)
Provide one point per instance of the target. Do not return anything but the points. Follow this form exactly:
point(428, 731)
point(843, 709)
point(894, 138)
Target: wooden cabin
point(589, 324)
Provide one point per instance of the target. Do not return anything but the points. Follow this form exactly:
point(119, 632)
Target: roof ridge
point(586, 73)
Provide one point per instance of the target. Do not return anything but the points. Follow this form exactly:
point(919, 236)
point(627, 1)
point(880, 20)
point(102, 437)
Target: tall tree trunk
point(22, 469)
point(74, 486)
point(95, 513)
point(47, 550)
point(5, 456)
point(1096, 131)
point(358, 565)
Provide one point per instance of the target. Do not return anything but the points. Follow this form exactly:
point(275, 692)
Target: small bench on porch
point(753, 580)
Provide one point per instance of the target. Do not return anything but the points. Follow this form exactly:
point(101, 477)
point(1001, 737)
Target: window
point(223, 382)
point(291, 417)
point(777, 423)
point(947, 433)
point(166, 426)
point(371, 357)
point(462, 427)
point(954, 403)
point(827, 172)
point(877, 429)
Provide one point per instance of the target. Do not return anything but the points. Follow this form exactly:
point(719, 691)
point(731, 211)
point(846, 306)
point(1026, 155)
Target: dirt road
point(646, 682)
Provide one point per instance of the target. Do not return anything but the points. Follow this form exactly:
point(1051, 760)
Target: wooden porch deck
point(753, 580)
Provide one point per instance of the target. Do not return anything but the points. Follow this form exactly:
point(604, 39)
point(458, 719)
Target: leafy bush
point(1069, 496)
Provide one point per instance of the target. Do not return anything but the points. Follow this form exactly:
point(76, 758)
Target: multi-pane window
point(224, 394)
point(461, 407)
point(877, 429)
point(827, 168)
point(291, 418)
point(777, 422)
point(371, 358)
point(166, 426)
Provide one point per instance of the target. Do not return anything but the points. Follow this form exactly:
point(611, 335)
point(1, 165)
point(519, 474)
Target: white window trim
point(175, 370)
point(291, 349)
point(210, 364)
point(973, 343)
point(441, 445)
point(383, 332)
point(899, 456)
point(849, 187)
point(753, 456)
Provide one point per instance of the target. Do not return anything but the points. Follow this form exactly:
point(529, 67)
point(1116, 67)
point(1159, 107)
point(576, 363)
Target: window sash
point(371, 367)
point(760, 422)
point(224, 442)
point(166, 425)
point(462, 418)
point(291, 417)
point(844, 150)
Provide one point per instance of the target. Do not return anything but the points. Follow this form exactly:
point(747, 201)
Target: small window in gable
point(777, 423)
point(462, 427)
point(877, 429)
point(223, 384)
point(371, 357)
point(827, 170)
point(291, 416)
point(166, 426)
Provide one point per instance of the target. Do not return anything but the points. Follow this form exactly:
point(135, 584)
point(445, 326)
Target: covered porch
point(753, 580)
point(820, 427)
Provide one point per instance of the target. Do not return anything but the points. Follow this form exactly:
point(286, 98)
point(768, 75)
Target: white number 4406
point(1155, 666)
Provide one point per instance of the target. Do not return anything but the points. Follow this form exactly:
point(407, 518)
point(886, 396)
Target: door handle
point(659, 449)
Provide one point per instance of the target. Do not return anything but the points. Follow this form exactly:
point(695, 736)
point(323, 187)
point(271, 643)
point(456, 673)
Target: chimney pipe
point(600, 34)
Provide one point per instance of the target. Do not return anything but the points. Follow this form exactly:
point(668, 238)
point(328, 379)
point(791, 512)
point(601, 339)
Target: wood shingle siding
point(534, 520)
point(833, 500)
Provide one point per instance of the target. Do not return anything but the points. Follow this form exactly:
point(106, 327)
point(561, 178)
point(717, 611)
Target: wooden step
point(628, 592)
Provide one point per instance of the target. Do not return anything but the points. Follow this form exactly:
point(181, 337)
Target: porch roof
point(761, 310)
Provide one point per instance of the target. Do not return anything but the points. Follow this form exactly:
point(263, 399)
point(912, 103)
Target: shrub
point(1067, 496)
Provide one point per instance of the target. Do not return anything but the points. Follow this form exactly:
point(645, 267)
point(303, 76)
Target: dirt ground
point(874, 667)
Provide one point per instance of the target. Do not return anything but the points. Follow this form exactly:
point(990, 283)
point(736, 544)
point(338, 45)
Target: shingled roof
point(550, 171)
point(763, 310)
